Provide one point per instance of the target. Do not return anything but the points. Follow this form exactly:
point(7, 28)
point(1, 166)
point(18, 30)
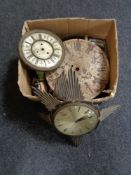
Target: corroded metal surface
point(90, 64)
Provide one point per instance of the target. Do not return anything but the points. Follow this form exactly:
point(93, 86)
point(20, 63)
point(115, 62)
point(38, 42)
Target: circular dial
point(76, 119)
point(41, 50)
point(89, 62)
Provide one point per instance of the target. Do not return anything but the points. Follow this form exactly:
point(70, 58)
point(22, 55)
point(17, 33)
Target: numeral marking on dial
point(52, 60)
point(27, 42)
point(36, 62)
point(41, 50)
point(51, 40)
point(60, 125)
point(29, 57)
point(79, 108)
point(63, 114)
point(87, 127)
point(70, 109)
point(80, 130)
point(57, 48)
point(40, 37)
point(48, 61)
point(86, 111)
point(33, 59)
point(45, 63)
point(54, 42)
point(32, 38)
point(56, 55)
point(65, 129)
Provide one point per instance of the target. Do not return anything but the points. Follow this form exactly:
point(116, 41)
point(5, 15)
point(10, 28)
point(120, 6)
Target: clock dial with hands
point(72, 119)
point(75, 119)
point(41, 50)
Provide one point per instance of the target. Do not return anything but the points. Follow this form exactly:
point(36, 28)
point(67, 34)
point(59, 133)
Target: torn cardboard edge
point(76, 27)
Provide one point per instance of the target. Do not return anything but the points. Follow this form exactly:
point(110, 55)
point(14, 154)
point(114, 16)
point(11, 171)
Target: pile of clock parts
point(68, 75)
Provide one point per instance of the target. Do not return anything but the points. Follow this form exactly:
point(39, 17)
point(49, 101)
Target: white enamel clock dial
point(41, 50)
point(76, 119)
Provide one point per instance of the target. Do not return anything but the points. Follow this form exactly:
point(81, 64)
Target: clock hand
point(81, 119)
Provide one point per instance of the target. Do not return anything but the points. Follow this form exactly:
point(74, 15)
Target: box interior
point(72, 28)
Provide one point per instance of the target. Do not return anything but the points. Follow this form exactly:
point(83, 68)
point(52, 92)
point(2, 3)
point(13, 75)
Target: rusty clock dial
point(90, 63)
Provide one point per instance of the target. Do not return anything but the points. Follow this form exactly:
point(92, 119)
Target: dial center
point(42, 49)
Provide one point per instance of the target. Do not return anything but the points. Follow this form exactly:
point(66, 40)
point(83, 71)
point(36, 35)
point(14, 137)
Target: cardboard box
point(72, 28)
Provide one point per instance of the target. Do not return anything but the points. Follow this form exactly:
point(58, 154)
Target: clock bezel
point(97, 112)
point(36, 67)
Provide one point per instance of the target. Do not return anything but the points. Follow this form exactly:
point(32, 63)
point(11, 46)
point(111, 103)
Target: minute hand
point(81, 119)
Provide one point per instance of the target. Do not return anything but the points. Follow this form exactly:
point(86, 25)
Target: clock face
point(90, 64)
point(41, 50)
point(76, 119)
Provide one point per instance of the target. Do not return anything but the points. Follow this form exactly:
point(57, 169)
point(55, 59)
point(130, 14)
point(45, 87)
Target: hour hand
point(81, 119)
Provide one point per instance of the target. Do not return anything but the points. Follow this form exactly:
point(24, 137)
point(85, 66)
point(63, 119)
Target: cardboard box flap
point(112, 45)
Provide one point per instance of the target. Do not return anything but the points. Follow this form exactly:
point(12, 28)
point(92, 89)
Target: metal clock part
point(76, 140)
point(67, 87)
point(90, 64)
point(41, 50)
point(47, 99)
point(76, 119)
point(106, 112)
point(40, 75)
point(39, 84)
point(101, 43)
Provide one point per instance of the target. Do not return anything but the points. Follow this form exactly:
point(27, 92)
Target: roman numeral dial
point(41, 50)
